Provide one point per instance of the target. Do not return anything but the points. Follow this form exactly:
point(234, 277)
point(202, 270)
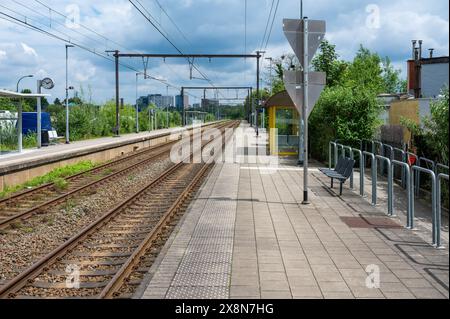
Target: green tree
point(327, 61)
point(348, 110)
point(391, 78)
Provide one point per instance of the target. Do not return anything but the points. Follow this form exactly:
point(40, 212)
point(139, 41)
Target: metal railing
point(438, 208)
point(374, 176)
point(433, 198)
point(351, 156)
point(386, 160)
point(407, 171)
point(433, 167)
point(410, 179)
point(361, 170)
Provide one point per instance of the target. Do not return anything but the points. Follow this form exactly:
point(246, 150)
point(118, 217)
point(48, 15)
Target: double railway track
point(33, 201)
point(108, 258)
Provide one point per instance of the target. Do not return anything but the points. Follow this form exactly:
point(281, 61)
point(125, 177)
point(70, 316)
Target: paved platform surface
point(247, 235)
point(76, 148)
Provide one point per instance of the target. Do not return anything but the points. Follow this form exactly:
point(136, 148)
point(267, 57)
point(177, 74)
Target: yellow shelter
point(283, 125)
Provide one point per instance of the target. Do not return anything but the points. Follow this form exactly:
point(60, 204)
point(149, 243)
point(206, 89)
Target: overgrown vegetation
point(56, 176)
point(431, 137)
point(88, 120)
point(348, 109)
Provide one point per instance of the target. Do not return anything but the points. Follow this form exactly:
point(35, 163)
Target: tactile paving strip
point(201, 280)
point(205, 267)
point(207, 292)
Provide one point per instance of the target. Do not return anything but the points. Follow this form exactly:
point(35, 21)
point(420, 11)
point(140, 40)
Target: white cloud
point(212, 26)
point(28, 50)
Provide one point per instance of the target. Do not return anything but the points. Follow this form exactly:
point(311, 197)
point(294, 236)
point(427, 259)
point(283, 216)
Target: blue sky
point(208, 26)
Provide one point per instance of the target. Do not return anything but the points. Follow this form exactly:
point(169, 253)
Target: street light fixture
point(23, 77)
point(67, 92)
point(137, 107)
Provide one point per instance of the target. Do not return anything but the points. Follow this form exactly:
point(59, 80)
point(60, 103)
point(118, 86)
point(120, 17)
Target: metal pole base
point(300, 163)
point(305, 198)
point(67, 142)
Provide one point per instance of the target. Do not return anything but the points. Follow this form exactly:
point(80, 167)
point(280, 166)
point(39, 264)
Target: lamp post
point(270, 73)
point(67, 92)
point(167, 106)
point(23, 77)
point(137, 107)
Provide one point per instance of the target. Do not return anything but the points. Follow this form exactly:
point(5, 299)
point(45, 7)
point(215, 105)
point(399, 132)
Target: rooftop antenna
point(301, 9)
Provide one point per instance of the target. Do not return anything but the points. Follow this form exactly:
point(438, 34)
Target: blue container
point(29, 122)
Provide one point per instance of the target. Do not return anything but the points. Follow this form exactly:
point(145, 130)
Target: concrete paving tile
point(306, 291)
point(364, 292)
point(427, 293)
point(244, 291)
point(398, 295)
point(272, 275)
point(271, 267)
point(416, 283)
point(269, 294)
point(275, 285)
point(329, 286)
point(338, 295)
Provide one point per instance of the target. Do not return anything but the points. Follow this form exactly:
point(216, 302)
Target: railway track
point(108, 258)
point(33, 201)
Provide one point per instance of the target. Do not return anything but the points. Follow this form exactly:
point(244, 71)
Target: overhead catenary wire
point(166, 37)
point(267, 25)
point(55, 21)
point(271, 27)
point(81, 25)
point(26, 24)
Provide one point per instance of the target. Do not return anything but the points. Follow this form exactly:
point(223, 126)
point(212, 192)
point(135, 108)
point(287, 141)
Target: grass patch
point(54, 176)
point(69, 204)
point(107, 172)
point(16, 225)
point(49, 220)
point(60, 183)
point(28, 230)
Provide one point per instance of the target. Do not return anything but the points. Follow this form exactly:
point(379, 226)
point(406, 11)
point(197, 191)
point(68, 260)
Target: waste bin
point(45, 140)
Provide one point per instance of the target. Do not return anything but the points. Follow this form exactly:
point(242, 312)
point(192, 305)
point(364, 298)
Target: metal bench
point(342, 172)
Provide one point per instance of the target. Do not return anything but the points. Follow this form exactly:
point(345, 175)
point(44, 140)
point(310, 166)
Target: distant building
point(209, 103)
point(161, 101)
point(196, 105)
point(179, 101)
point(426, 76)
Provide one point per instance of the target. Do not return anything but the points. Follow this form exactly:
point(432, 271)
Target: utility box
point(30, 122)
point(45, 138)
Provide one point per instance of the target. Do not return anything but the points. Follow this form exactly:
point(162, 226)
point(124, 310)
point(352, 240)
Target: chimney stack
point(431, 52)
point(420, 49)
point(414, 49)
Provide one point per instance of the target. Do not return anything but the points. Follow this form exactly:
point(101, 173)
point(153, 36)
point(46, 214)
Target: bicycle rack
point(390, 188)
point(433, 199)
point(374, 176)
point(439, 213)
point(329, 154)
point(404, 160)
point(433, 166)
point(351, 156)
point(361, 169)
point(407, 170)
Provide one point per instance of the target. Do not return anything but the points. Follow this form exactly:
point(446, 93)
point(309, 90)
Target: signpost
point(304, 87)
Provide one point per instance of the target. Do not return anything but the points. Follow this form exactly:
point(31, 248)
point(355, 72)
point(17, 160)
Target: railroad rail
point(33, 201)
point(107, 258)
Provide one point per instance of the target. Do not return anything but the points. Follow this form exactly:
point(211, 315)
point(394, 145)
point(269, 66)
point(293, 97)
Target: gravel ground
point(37, 236)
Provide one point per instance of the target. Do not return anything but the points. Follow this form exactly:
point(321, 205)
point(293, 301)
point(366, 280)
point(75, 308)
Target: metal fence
point(409, 173)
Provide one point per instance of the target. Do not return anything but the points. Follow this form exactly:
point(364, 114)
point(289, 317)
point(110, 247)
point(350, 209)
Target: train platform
point(247, 235)
point(16, 168)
